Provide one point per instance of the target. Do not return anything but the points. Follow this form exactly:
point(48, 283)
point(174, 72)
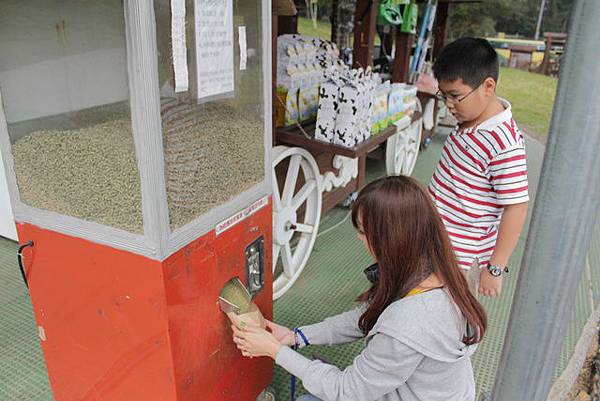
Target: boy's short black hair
point(471, 59)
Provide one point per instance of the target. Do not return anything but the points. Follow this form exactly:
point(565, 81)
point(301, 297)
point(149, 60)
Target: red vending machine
point(136, 137)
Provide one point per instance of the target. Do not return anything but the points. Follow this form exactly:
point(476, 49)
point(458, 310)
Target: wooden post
point(362, 171)
point(365, 19)
point(287, 25)
point(389, 40)
point(440, 28)
point(404, 42)
point(546, 62)
point(334, 20)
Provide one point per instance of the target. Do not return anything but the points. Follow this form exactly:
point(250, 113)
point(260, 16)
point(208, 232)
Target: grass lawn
point(323, 29)
point(531, 96)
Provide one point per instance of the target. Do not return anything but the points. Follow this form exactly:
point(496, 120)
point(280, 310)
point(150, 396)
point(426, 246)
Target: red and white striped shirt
point(482, 169)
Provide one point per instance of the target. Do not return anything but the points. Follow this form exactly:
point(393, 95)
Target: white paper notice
point(243, 47)
point(214, 47)
point(179, 47)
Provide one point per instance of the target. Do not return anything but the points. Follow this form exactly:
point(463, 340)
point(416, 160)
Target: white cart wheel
point(293, 240)
point(402, 148)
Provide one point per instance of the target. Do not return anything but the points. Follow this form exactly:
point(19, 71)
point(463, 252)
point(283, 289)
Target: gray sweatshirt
point(413, 353)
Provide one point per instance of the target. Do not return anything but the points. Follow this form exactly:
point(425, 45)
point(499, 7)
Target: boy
point(480, 185)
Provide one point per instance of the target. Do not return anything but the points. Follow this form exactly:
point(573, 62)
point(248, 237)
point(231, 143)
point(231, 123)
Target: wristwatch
point(497, 271)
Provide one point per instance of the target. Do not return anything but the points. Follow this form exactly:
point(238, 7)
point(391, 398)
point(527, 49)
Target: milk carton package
point(380, 107)
point(366, 124)
point(346, 130)
point(346, 106)
point(396, 105)
point(348, 100)
point(314, 101)
point(410, 94)
point(327, 110)
point(307, 99)
point(349, 115)
point(316, 77)
point(303, 63)
point(328, 95)
point(325, 126)
point(286, 107)
point(291, 77)
point(297, 49)
point(363, 82)
point(292, 113)
point(356, 108)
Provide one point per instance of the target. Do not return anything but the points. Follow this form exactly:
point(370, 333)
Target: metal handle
point(20, 260)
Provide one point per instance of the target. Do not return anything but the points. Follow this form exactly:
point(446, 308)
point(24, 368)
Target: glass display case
point(105, 141)
point(65, 92)
point(213, 131)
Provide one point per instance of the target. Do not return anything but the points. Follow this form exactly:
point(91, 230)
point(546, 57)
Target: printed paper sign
point(243, 47)
point(180, 67)
point(214, 47)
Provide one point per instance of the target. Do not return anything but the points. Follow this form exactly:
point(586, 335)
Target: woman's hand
point(254, 341)
point(284, 335)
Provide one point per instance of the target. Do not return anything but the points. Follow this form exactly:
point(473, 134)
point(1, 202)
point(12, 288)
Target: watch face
point(495, 271)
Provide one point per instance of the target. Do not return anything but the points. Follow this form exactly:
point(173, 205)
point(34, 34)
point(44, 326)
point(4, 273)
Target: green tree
point(514, 17)
point(557, 16)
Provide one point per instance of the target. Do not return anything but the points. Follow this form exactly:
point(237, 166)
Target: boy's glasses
point(453, 98)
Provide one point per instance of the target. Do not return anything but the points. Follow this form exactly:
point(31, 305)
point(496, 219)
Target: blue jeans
point(308, 397)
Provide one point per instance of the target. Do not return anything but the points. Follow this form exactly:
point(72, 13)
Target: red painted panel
point(119, 326)
point(103, 314)
point(208, 367)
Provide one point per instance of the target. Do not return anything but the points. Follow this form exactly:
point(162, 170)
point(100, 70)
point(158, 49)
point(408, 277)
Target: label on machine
point(241, 215)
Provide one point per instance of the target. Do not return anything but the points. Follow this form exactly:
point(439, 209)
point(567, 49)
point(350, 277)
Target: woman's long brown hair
point(409, 241)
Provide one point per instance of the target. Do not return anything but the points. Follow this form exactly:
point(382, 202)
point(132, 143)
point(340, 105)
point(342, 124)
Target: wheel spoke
point(286, 259)
point(301, 196)
point(400, 158)
point(399, 142)
point(410, 160)
point(401, 155)
point(407, 167)
point(304, 228)
point(276, 196)
point(291, 178)
point(298, 190)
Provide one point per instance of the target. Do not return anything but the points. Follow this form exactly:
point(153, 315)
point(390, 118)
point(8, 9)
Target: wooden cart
point(310, 176)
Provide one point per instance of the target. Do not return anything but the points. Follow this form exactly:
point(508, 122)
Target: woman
point(419, 319)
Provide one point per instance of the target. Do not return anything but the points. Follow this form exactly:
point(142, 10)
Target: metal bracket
point(255, 266)
point(20, 260)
